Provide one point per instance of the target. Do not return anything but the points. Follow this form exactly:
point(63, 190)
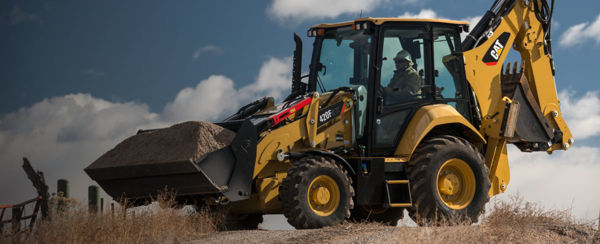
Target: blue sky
point(143, 51)
point(76, 77)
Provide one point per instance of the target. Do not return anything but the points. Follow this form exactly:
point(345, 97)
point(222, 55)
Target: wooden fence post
point(16, 218)
point(62, 192)
point(102, 206)
point(37, 178)
point(93, 199)
point(62, 188)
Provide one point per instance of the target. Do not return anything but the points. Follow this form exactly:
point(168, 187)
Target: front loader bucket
point(226, 171)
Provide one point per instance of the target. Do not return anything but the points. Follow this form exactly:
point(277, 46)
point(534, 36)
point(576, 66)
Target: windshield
point(344, 59)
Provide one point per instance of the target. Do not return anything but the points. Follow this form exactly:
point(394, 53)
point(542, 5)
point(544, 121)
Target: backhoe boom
point(520, 105)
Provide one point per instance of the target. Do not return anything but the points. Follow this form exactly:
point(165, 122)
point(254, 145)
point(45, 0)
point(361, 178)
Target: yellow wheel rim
point(456, 184)
point(323, 195)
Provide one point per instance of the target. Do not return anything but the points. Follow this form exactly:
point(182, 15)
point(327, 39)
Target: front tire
point(449, 181)
point(316, 192)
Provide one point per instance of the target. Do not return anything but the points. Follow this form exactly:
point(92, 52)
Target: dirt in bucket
point(184, 141)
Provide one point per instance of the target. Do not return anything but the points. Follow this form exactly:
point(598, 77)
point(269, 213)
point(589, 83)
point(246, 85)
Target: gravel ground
point(348, 233)
point(377, 233)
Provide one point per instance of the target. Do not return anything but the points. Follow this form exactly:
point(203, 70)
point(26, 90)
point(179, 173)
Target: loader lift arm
point(519, 106)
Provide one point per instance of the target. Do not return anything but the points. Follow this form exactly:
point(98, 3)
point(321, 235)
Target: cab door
point(394, 103)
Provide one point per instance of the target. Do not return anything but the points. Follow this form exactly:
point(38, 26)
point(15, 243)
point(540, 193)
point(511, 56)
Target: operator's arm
point(413, 83)
point(394, 84)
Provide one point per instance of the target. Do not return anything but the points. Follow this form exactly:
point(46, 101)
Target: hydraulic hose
point(474, 35)
point(482, 25)
point(544, 14)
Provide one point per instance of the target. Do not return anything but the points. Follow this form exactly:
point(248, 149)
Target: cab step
point(398, 193)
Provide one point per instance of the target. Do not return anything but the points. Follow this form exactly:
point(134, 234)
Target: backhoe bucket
point(532, 131)
point(135, 169)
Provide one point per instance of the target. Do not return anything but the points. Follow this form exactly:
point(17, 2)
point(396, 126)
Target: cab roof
point(379, 21)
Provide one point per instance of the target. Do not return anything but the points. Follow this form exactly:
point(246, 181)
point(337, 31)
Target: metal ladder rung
point(393, 182)
point(400, 205)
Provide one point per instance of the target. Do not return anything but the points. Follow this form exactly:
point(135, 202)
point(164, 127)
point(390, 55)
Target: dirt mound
point(184, 141)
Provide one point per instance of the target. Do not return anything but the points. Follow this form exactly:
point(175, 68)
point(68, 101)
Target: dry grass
point(520, 221)
point(146, 224)
point(514, 221)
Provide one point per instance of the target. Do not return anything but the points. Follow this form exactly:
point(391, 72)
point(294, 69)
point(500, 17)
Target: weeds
point(513, 221)
point(146, 224)
point(522, 219)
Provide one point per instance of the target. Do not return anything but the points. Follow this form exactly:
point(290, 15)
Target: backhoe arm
point(519, 106)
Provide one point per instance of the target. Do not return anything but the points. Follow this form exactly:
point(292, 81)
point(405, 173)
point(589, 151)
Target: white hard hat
point(403, 55)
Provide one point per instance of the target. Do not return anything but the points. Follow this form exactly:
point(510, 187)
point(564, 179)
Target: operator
point(406, 82)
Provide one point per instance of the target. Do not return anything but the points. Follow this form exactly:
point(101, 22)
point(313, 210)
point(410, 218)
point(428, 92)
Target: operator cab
point(362, 55)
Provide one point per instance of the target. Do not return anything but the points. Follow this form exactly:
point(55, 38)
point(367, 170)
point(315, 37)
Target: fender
point(428, 118)
point(327, 154)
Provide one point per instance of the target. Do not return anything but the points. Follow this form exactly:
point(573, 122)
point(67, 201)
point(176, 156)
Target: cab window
point(448, 69)
point(402, 66)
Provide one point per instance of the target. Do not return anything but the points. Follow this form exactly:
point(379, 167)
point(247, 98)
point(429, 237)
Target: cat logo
point(495, 51)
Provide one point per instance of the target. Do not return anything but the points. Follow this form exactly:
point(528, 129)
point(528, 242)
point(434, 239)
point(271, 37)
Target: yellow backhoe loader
point(395, 114)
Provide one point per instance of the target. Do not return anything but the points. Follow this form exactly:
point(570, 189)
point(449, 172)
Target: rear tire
point(449, 181)
point(316, 192)
point(387, 216)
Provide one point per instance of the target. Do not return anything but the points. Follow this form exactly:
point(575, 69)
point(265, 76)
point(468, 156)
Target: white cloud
point(582, 113)
point(207, 101)
point(423, 14)
point(216, 96)
point(206, 49)
point(431, 14)
point(555, 25)
point(298, 11)
point(562, 180)
point(472, 20)
point(581, 33)
point(274, 79)
point(17, 16)
point(62, 135)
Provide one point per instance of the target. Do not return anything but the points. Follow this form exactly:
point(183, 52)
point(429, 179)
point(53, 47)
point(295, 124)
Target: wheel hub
point(456, 183)
point(323, 195)
point(450, 184)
